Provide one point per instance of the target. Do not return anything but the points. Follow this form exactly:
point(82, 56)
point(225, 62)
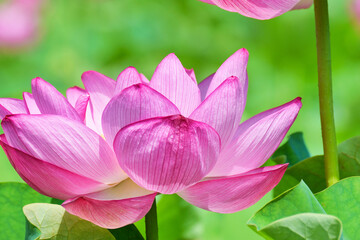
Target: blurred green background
point(110, 35)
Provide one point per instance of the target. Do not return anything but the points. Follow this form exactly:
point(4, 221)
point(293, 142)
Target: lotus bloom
point(260, 9)
point(110, 148)
point(356, 11)
point(18, 22)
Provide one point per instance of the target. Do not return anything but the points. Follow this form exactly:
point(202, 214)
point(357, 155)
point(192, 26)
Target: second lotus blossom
point(260, 9)
point(19, 20)
point(110, 148)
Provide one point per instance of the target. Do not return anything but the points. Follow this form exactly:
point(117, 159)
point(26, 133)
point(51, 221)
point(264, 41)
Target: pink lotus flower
point(356, 11)
point(18, 22)
point(166, 136)
point(260, 9)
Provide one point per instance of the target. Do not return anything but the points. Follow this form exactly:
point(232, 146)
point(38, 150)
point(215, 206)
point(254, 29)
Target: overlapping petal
point(65, 143)
point(110, 213)
point(235, 65)
point(191, 73)
point(133, 104)
point(167, 154)
point(101, 89)
point(171, 80)
point(223, 108)
point(10, 106)
point(74, 93)
point(256, 139)
point(204, 86)
point(30, 104)
point(259, 9)
point(128, 77)
point(79, 99)
point(47, 178)
point(144, 79)
point(51, 101)
point(234, 193)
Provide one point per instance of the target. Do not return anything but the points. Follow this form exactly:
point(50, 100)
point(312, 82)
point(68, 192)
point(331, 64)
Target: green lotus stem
point(151, 223)
point(325, 91)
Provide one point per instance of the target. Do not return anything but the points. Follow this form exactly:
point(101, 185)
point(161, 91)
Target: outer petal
point(223, 109)
point(51, 101)
point(10, 106)
point(47, 178)
point(112, 213)
point(171, 80)
point(30, 103)
point(133, 104)
point(204, 86)
point(167, 154)
point(65, 143)
point(234, 193)
point(256, 139)
point(235, 65)
point(259, 9)
point(101, 89)
point(128, 77)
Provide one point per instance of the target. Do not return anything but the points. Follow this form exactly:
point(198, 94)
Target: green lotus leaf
point(304, 226)
point(343, 201)
point(13, 196)
point(50, 221)
point(294, 149)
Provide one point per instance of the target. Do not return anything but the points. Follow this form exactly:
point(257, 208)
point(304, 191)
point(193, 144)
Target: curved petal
point(128, 77)
point(30, 103)
point(204, 86)
point(74, 93)
point(259, 9)
point(110, 214)
point(10, 106)
point(171, 80)
point(47, 178)
point(223, 109)
point(101, 89)
point(234, 193)
point(51, 101)
point(133, 104)
point(65, 143)
point(235, 65)
point(167, 154)
point(256, 140)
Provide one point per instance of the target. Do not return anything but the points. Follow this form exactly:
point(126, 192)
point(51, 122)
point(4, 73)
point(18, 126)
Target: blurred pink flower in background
point(355, 7)
point(19, 20)
point(260, 9)
point(110, 148)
